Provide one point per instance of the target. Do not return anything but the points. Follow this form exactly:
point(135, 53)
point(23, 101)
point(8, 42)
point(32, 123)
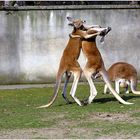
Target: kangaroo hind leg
point(105, 89)
point(77, 74)
point(93, 91)
point(117, 86)
point(64, 92)
point(133, 85)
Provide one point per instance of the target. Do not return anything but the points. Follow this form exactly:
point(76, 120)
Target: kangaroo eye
point(84, 21)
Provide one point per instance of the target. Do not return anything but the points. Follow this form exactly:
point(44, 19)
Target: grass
point(105, 117)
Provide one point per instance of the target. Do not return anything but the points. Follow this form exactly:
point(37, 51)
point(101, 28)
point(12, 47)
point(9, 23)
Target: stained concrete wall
point(32, 42)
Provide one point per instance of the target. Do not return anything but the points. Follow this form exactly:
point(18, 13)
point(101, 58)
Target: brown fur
point(69, 63)
point(94, 64)
point(122, 70)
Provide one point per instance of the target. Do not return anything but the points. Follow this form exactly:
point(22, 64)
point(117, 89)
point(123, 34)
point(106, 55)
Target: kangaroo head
point(106, 31)
point(103, 32)
point(76, 23)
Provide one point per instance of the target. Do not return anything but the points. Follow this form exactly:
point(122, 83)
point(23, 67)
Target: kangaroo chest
point(92, 54)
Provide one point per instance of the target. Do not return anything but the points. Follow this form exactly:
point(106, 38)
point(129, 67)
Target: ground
point(104, 118)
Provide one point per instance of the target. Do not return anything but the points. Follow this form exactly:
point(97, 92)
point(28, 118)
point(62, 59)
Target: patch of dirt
point(59, 133)
point(65, 128)
point(109, 116)
point(51, 133)
point(113, 117)
point(84, 133)
point(32, 133)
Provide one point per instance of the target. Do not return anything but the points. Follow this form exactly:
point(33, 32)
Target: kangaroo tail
point(56, 89)
point(133, 85)
point(107, 81)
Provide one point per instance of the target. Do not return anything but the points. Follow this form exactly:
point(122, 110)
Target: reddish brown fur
point(70, 55)
point(93, 55)
point(69, 63)
point(91, 51)
point(122, 70)
point(94, 64)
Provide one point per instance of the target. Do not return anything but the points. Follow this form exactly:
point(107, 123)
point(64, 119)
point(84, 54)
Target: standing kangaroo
point(123, 74)
point(69, 64)
point(95, 64)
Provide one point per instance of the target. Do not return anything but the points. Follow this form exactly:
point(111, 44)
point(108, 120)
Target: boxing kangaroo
point(123, 74)
point(69, 64)
point(95, 63)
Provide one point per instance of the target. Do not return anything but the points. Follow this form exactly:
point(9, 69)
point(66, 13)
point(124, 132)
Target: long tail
point(56, 89)
point(107, 81)
point(133, 85)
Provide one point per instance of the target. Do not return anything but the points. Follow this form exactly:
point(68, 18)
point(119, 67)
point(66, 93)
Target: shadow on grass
point(108, 99)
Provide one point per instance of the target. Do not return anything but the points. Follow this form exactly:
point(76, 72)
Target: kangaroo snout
point(109, 29)
point(105, 31)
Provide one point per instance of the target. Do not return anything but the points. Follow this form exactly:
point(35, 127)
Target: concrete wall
point(32, 42)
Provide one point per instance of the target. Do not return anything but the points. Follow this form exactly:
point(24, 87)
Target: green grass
point(18, 110)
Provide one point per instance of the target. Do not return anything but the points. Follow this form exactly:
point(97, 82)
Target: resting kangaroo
point(123, 74)
point(69, 64)
point(95, 64)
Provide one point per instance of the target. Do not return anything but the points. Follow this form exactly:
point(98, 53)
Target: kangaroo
point(69, 64)
point(95, 63)
point(123, 74)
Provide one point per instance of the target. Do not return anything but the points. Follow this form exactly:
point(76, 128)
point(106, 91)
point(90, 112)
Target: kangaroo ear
point(70, 19)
